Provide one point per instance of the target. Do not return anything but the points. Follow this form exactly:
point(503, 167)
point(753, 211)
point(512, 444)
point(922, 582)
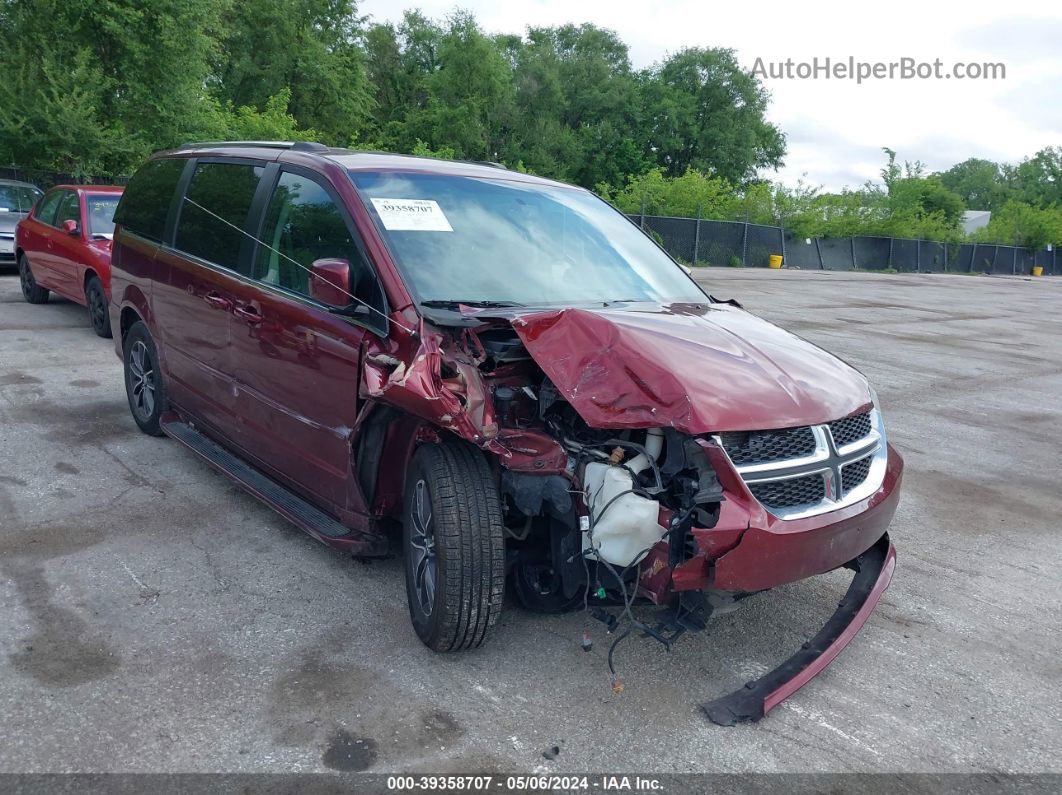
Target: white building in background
point(972, 220)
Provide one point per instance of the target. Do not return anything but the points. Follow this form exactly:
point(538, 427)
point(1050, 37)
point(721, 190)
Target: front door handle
point(217, 301)
point(248, 314)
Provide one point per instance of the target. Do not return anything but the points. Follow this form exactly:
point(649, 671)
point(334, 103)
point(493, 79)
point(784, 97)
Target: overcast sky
point(836, 129)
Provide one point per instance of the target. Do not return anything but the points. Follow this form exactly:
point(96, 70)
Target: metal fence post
point(945, 256)
point(781, 234)
point(744, 243)
point(892, 241)
point(642, 222)
point(818, 251)
point(973, 258)
point(1014, 261)
point(697, 236)
point(854, 263)
point(918, 255)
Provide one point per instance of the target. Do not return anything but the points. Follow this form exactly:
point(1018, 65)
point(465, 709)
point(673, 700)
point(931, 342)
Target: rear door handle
point(217, 301)
point(248, 314)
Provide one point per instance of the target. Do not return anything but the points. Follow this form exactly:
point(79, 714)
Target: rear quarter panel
point(131, 273)
point(31, 237)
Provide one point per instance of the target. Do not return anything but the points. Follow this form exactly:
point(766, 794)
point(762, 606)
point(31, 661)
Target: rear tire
point(96, 301)
point(30, 291)
point(143, 379)
point(454, 546)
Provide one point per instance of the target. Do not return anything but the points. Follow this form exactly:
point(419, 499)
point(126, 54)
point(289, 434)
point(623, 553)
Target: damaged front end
point(622, 443)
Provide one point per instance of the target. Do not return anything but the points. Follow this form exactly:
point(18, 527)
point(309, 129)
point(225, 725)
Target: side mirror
point(330, 281)
point(70, 227)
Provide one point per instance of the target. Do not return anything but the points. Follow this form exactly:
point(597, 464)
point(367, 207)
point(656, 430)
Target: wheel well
point(129, 317)
point(89, 274)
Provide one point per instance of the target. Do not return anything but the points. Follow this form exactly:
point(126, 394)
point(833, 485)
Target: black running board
point(284, 501)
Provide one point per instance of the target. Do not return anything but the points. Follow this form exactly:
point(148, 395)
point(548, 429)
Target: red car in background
point(64, 245)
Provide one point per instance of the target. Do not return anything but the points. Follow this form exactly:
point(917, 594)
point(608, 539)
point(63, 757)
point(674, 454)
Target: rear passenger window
point(215, 211)
point(46, 210)
point(303, 224)
point(146, 201)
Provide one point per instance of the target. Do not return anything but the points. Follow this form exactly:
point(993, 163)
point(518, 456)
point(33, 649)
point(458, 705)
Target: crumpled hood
point(695, 368)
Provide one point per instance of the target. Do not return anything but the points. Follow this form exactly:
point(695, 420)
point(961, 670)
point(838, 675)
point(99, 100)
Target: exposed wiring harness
point(627, 613)
point(585, 451)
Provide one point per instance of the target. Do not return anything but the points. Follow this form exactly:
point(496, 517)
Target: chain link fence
point(735, 243)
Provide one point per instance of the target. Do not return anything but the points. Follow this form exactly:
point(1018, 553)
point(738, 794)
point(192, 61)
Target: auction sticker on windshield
point(412, 215)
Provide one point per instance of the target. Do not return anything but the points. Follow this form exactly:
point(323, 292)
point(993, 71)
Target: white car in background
point(16, 200)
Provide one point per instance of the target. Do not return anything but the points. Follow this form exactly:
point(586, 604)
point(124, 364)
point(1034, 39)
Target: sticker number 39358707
point(411, 215)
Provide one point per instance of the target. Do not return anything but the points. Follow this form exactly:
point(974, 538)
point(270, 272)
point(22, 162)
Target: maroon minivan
point(510, 371)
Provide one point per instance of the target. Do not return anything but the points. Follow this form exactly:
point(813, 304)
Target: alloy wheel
point(26, 279)
point(97, 307)
point(142, 380)
point(422, 548)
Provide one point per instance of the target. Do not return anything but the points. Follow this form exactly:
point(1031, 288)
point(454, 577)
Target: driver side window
point(69, 209)
point(303, 225)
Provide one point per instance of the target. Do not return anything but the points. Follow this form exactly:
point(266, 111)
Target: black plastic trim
point(747, 703)
point(284, 500)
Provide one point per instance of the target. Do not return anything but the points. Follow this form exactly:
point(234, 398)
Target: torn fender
point(693, 367)
point(411, 379)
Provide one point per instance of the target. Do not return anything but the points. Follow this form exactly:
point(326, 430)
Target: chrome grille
point(756, 447)
point(844, 462)
point(850, 429)
point(854, 474)
point(807, 490)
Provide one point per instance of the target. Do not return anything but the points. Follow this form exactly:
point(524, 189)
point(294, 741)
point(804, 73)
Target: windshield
point(101, 209)
point(499, 241)
point(17, 198)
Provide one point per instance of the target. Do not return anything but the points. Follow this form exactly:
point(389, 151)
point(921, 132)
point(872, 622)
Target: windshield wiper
point(453, 304)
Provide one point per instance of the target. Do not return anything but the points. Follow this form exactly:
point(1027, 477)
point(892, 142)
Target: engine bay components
point(623, 524)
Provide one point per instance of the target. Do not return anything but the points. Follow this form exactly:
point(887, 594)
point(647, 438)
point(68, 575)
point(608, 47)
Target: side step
point(285, 502)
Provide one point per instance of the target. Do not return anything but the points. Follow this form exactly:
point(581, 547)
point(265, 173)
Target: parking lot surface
point(156, 618)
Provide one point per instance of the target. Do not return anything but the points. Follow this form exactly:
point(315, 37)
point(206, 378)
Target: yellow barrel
point(1038, 270)
point(775, 261)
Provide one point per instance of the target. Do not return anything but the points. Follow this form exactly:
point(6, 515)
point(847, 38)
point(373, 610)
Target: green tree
point(599, 107)
point(1038, 179)
point(685, 196)
point(1022, 224)
point(94, 85)
point(981, 184)
point(309, 48)
point(245, 123)
point(912, 204)
point(708, 114)
point(469, 94)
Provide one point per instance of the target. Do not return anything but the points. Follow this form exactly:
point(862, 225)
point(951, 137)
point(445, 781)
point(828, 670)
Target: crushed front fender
point(873, 573)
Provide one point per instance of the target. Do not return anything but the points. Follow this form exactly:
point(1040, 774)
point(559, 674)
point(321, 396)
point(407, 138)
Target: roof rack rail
point(295, 146)
point(490, 163)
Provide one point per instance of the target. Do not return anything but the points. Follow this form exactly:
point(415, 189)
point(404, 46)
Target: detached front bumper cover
point(873, 573)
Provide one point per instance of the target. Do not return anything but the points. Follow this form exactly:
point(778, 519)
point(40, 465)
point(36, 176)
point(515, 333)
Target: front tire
point(96, 301)
point(30, 291)
point(143, 379)
point(454, 546)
